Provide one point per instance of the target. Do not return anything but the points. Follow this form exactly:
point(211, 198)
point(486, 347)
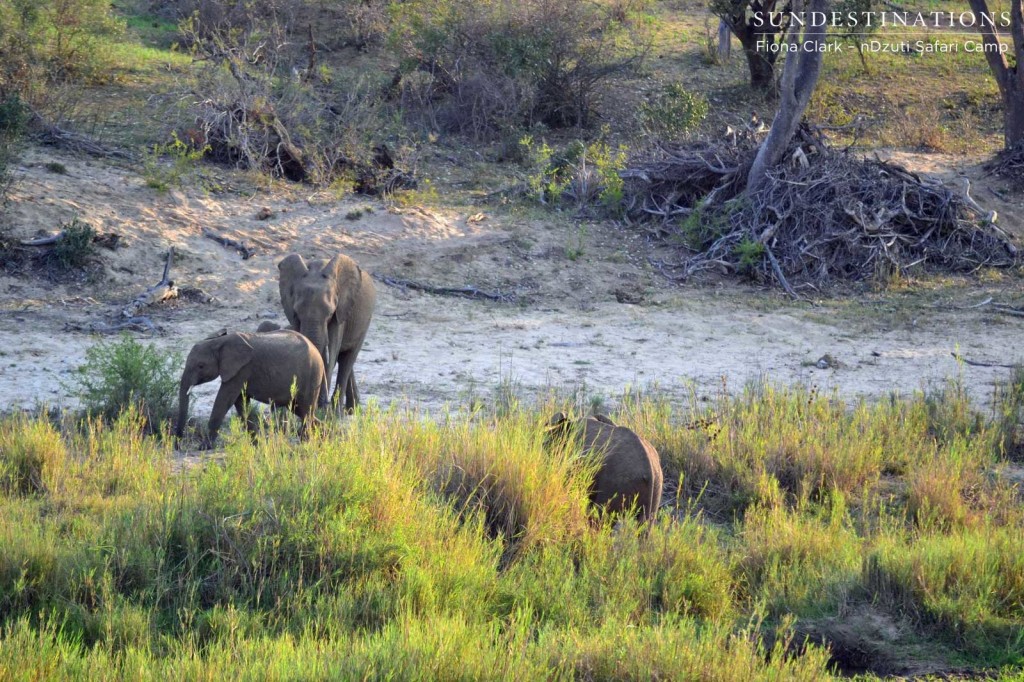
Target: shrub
point(183, 158)
point(124, 373)
point(673, 113)
point(53, 40)
point(582, 174)
point(13, 118)
point(482, 68)
point(74, 248)
point(262, 108)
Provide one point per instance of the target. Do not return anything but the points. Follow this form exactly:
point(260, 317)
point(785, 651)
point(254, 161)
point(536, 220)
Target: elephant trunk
point(186, 385)
point(321, 341)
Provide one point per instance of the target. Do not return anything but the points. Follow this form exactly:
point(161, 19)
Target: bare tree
point(1010, 77)
point(805, 48)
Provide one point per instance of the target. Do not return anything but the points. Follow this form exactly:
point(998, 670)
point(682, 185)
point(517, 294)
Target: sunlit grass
point(396, 546)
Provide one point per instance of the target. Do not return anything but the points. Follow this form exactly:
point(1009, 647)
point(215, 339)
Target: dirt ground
point(590, 314)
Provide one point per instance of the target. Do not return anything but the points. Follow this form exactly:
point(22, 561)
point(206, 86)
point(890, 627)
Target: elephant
point(281, 368)
point(630, 472)
point(331, 303)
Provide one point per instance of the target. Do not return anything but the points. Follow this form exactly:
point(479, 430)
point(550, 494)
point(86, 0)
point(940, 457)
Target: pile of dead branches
point(825, 217)
point(1008, 163)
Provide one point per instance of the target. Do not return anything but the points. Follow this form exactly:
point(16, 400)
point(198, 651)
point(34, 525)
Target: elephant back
point(630, 469)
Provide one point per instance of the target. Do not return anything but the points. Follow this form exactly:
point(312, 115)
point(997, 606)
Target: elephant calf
point(630, 472)
point(263, 366)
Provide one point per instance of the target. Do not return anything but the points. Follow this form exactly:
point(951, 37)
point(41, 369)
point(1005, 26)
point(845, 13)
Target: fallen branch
point(55, 136)
point(43, 241)
point(463, 292)
point(241, 247)
point(107, 239)
point(1008, 310)
point(161, 291)
point(976, 363)
point(142, 324)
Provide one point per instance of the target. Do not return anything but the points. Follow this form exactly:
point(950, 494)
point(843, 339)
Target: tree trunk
point(724, 41)
point(761, 63)
point(1009, 78)
point(1013, 114)
point(799, 77)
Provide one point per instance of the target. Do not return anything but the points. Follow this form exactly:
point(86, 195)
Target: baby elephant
point(265, 366)
point(630, 472)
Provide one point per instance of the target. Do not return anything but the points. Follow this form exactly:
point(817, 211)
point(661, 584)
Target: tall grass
point(395, 546)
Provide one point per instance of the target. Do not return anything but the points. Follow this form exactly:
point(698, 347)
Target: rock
point(826, 361)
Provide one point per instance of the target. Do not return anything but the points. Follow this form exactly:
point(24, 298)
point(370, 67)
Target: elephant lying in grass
point(629, 476)
point(280, 368)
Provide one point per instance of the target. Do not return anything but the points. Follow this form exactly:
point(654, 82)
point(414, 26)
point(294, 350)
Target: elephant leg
point(305, 414)
point(346, 379)
point(226, 397)
point(351, 390)
point(246, 412)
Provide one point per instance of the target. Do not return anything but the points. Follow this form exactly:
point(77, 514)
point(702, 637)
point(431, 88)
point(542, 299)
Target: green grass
point(393, 546)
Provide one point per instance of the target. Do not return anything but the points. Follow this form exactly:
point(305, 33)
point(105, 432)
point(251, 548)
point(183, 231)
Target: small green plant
point(183, 159)
point(125, 373)
point(354, 214)
point(574, 251)
point(673, 113)
point(582, 173)
point(750, 254)
point(74, 248)
point(56, 167)
point(700, 229)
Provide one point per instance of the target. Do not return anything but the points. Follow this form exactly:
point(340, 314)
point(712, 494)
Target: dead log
point(142, 324)
point(462, 292)
point(108, 240)
point(241, 247)
point(43, 241)
point(161, 291)
point(977, 363)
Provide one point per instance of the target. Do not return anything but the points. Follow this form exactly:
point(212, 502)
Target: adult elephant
point(330, 302)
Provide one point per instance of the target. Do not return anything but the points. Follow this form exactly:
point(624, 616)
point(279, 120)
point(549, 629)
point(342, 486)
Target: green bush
point(673, 113)
point(75, 247)
point(582, 173)
point(13, 119)
point(125, 373)
point(183, 158)
point(53, 40)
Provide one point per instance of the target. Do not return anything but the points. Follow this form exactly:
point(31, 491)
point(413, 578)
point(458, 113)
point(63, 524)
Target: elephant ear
point(235, 353)
point(557, 420)
point(291, 269)
point(347, 279)
point(557, 430)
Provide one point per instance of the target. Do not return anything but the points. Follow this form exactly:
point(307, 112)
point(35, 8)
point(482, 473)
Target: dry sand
point(567, 329)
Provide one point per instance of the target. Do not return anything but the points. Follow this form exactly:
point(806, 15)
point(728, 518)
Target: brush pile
point(1008, 163)
point(825, 217)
